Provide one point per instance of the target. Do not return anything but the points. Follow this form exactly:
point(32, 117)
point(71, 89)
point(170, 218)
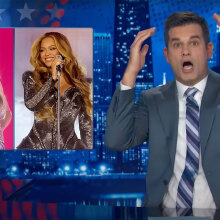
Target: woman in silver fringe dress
point(40, 96)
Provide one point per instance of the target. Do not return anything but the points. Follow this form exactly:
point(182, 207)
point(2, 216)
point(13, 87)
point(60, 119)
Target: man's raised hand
point(217, 18)
point(137, 57)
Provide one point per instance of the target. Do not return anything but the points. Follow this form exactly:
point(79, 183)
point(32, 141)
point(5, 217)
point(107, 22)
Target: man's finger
point(142, 36)
point(217, 18)
point(145, 49)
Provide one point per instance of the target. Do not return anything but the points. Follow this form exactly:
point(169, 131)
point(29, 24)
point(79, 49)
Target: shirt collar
point(181, 88)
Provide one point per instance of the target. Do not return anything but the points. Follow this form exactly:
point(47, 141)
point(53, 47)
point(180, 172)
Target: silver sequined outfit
point(43, 134)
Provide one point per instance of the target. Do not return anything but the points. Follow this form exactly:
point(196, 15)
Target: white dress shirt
point(202, 197)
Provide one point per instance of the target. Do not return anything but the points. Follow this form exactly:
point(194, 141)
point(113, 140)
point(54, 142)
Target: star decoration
point(53, 11)
point(1, 11)
point(25, 12)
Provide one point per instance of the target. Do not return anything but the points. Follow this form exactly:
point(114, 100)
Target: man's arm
point(127, 122)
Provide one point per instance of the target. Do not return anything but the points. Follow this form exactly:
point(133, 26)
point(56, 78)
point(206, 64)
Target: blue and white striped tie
point(186, 184)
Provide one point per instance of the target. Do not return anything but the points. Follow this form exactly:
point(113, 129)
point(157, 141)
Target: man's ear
point(165, 51)
point(210, 48)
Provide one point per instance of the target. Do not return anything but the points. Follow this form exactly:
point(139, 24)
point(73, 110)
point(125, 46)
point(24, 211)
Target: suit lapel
point(168, 107)
point(210, 101)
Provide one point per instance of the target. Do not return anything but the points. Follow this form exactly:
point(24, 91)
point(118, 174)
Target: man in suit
point(180, 121)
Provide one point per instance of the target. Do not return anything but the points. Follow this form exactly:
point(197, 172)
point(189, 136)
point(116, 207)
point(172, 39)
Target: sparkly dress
point(43, 134)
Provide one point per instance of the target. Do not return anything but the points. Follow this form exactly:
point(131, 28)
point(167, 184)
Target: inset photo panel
point(6, 89)
point(53, 72)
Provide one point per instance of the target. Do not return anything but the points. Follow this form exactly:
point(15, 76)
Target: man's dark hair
point(184, 18)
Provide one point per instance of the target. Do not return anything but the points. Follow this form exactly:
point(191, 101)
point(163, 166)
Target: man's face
point(187, 53)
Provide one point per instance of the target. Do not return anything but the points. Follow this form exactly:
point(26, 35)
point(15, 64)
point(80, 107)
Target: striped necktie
point(186, 184)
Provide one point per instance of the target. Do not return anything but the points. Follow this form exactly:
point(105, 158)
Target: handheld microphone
point(60, 66)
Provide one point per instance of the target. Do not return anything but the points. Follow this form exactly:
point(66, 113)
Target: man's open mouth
point(187, 65)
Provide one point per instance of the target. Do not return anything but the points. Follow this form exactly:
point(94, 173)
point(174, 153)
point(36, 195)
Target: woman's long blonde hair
point(72, 69)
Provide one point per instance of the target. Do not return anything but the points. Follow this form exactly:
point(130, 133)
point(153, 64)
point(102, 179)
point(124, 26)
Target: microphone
point(60, 66)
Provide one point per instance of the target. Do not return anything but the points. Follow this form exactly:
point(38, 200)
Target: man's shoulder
point(214, 75)
point(213, 81)
point(157, 91)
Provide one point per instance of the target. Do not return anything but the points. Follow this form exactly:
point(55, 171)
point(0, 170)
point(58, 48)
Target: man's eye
point(176, 45)
point(194, 43)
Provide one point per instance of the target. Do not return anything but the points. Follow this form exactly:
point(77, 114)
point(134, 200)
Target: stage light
point(14, 168)
point(83, 168)
point(67, 168)
point(102, 168)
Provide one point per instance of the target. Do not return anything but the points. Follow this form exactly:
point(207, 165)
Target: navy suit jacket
point(155, 118)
